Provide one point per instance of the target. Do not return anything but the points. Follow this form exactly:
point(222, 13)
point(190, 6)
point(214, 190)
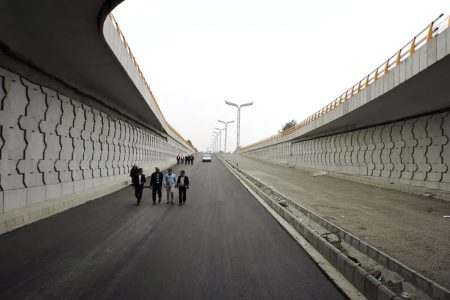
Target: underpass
point(221, 245)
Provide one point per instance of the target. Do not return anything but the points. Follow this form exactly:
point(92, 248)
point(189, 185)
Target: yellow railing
point(133, 59)
point(423, 37)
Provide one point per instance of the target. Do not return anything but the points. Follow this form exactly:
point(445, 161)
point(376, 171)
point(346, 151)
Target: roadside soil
point(410, 228)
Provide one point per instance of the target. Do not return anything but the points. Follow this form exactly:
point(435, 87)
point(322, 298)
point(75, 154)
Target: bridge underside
point(60, 44)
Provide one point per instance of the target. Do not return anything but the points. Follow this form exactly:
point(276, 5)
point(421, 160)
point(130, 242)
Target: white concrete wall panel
point(414, 151)
point(52, 145)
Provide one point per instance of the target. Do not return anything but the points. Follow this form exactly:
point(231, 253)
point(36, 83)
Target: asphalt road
point(221, 245)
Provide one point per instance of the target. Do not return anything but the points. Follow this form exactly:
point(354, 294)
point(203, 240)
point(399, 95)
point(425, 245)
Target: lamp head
point(246, 104)
point(231, 103)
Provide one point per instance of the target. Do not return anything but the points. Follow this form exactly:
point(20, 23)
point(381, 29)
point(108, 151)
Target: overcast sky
point(290, 57)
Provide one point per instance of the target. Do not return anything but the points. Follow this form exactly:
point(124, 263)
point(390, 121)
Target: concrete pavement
point(221, 245)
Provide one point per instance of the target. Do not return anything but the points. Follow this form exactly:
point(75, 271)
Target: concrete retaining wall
point(414, 152)
point(54, 147)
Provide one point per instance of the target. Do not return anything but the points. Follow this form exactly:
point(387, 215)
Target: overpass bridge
point(76, 113)
point(76, 110)
point(392, 126)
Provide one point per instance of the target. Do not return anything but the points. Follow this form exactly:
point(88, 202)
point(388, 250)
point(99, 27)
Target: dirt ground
point(410, 228)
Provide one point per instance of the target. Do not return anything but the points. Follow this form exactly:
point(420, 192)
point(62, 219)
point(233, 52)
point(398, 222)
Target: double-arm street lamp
point(220, 137)
point(226, 134)
point(215, 141)
point(238, 119)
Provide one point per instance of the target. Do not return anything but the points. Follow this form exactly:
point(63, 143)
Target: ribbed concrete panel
point(53, 146)
point(414, 152)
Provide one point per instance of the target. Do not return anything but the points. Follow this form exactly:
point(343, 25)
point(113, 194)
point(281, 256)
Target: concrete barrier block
point(333, 256)
point(349, 270)
point(320, 245)
point(327, 250)
point(438, 293)
point(14, 199)
point(315, 239)
point(341, 258)
point(371, 287)
point(52, 191)
point(66, 188)
point(2, 227)
point(78, 185)
point(421, 283)
point(1, 203)
point(359, 277)
point(35, 195)
point(384, 293)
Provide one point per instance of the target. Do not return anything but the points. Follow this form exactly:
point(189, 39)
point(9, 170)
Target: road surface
point(221, 245)
point(408, 227)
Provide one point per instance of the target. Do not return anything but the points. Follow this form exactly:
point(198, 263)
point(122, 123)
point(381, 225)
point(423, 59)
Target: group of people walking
point(157, 181)
point(188, 159)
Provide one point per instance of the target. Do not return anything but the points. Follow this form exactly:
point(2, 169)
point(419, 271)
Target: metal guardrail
point(133, 59)
point(423, 37)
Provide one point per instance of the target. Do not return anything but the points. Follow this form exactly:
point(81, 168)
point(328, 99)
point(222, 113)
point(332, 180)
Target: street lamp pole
point(238, 120)
point(215, 135)
point(220, 137)
point(226, 134)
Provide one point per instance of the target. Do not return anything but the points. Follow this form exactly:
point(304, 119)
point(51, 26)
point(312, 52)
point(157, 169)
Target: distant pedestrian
point(182, 185)
point(134, 170)
point(170, 181)
point(156, 182)
point(186, 160)
point(178, 159)
point(182, 160)
point(138, 183)
point(192, 159)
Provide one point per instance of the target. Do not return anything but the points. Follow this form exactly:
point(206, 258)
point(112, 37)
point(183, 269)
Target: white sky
point(290, 57)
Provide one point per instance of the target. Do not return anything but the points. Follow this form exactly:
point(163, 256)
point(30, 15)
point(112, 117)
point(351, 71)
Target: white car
point(206, 157)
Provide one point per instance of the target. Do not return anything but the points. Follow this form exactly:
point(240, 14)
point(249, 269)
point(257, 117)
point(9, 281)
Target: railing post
point(367, 81)
point(399, 55)
point(430, 32)
point(375, 78)
point(413, 46)
point(386, 67)
point(359, 86)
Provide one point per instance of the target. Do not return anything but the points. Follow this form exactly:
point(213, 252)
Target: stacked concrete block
point(53, 146)
point(387, 145)
point(414, 151)
point(434, 152)
point(14, 143)
point(407, 158)
point(445, 154)
point(396, 150)
point(419, 154)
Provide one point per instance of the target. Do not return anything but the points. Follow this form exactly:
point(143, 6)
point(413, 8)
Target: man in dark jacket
point(156, 182)
point(182, 185)
point(138, 183)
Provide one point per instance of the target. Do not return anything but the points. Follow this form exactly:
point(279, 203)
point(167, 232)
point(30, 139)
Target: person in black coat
point(182, 185)
point(156, 182)
point(138, 183)
point(178, 159)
